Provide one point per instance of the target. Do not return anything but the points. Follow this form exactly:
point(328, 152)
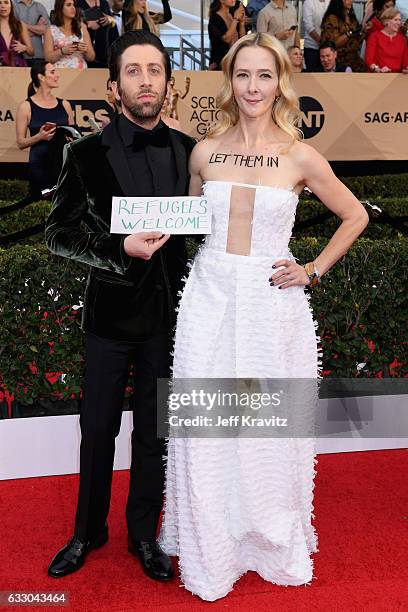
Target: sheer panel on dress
point(241, 212)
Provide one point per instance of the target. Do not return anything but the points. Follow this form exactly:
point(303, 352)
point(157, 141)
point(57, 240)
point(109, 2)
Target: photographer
point(341, 26)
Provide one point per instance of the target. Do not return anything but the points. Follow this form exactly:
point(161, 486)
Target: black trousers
point(107, 370)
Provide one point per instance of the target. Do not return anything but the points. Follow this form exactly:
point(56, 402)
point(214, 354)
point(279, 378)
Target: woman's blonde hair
point(135, 19)
point(388, 14)
point(285, 110)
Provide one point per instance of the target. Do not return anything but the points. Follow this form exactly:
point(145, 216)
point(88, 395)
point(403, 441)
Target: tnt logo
point(312, 116)
point(98, 110)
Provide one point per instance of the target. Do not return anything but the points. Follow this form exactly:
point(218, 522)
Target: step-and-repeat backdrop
point(344, 116)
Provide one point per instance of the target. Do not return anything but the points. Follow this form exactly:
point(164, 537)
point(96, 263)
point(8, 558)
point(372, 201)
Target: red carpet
point(361, 517)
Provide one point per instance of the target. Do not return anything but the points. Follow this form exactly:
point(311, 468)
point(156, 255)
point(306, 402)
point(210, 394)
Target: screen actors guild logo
point(312, 116)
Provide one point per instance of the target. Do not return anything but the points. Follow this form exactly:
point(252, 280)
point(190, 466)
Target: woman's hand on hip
point(292, 274)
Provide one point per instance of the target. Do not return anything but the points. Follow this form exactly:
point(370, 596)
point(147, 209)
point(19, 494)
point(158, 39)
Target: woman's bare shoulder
point(203, 150)
point(303, 153)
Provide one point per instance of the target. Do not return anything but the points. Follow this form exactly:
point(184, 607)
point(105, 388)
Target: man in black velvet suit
point(129, 308)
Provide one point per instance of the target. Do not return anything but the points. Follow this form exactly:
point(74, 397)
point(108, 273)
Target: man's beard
point(141, 111)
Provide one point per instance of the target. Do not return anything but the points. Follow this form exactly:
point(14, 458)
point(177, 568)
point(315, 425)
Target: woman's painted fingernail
point(273, 266)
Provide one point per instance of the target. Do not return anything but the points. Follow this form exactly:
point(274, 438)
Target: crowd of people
point(78, 33)
point(334, 39)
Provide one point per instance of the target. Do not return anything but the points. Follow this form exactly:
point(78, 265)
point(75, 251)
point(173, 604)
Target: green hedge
point(309, 208)
point(385, 186)
point(12, 189)
point(361, 308)
point(396, 207)
point(27, 217)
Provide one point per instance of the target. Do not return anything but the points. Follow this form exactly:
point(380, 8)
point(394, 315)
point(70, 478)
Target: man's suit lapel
point(181, 165)
point(115, 155)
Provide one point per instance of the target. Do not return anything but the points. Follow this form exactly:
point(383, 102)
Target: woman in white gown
point(236, 504)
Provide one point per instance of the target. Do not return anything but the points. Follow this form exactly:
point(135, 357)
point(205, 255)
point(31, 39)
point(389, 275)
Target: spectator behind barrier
point(41, 114)
point(34, 15)
point(372, 17)
point(296, 58)
point(253, 9)
point(328, 59)
point(67, 43)
point(15, 41)
point(101, 27)
point(312, 14)
point(116, 7)
point(340, 25)
point(136, 16)
point(372, 14)
point(280, 20)
point(387, 50)
point(224, 29)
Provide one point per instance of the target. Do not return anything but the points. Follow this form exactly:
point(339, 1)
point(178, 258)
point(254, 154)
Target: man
point(130, 297)
point(116, 7)
point(280, 20)
point(35, 16)
point(253, 8)
point(328, 59)
point(312, 15)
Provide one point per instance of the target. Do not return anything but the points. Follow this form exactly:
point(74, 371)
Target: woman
point(14, 37)
point(312, 15)
point(372, 14)
point(67, 43)
point(239, 504)
point(296, 58)
point(136, 16)
point(340, 26)
point(41, 113)
point(102, 31)
point(387, 50)
point(224, 29)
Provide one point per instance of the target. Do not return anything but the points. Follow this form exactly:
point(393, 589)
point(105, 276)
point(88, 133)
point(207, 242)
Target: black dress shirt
point(153, 167)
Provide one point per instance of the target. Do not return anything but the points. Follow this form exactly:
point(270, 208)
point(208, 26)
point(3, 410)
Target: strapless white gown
point(239, 504)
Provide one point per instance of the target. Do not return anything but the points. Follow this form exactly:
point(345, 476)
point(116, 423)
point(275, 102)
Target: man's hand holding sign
point(140, 217)
point(144, 244)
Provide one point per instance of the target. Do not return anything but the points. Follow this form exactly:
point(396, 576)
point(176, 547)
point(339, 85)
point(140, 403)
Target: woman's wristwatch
point(313, 274)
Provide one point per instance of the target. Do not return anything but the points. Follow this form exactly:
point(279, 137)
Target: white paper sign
point(169, 215)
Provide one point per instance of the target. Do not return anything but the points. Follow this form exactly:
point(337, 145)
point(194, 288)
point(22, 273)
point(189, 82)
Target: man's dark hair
point(329, 44)
point(128, 39)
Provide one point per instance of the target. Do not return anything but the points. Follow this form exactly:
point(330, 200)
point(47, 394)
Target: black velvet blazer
point(126, 298)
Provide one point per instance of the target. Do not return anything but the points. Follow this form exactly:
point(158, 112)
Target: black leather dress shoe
point(72, 557)
point(155, 563)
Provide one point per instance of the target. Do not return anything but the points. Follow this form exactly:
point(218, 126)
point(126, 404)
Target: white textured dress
point(239, 504)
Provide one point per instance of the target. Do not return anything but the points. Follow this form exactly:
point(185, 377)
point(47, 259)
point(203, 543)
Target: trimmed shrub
point(361, 308)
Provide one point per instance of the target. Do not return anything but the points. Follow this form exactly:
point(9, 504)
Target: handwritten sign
point(170, 215)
